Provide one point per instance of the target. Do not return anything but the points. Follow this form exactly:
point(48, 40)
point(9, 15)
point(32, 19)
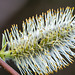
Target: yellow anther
point(4, 31)
point(11, 29)
point(55, 70)
point(60, 8)
point(42, 13)
point(35, 65)
point(40, 74)
point(39, 46)
point(39, 69)
point(68, 64)
point(29, 18)
point(19, 30)
point(40, 16)
point(42, 59)
point(41, 49)
point(67, 8)
point(35, 73)
point(23, 21)
point(46, 74)
point(41, 30)
point(36, 54)
point(12, 26)
point(47, 67)
point(48, 51)
point(63, 44)
point(63, 8)
point(64, 66)
point(73, 8)
point(40, 55)
point(26, 20)
point(49, 10)
point(48, 58)
point(32, 49)
point(45, 13)
point(10, 33)
point(61, 12)
point(7, 30)
point(32, 17)
point(45, 53)
point(52, 9)
point(61, 67)
point(67, 40)
point(19, 62)
point(52, 72)
point(56, 63)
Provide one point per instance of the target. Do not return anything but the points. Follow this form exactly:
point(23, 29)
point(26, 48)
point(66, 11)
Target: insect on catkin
point(45, 44)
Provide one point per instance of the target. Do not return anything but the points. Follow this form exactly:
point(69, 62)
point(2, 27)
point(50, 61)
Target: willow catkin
point(44, 45)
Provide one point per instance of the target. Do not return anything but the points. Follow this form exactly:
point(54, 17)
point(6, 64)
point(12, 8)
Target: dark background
point(15, 11)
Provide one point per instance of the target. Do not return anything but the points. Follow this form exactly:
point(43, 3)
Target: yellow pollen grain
point(45, 53)
point(25, 73)
point(12, 25)
point(32, 49)
point(41, 49)
point(46, 73)
point(40, 74)
point(45, 13)
point(41, 31)
point(39, 69)
point(7, 30)
point(60, 8)
point(73, 8)
point(11, 29)
point(47, 67)
point(42, 13)
point(19, 62)
point(67, 40)
point(35, 65)
point(55, 70)
point(35, 73)
point(48, 51)
point(10, 33)
point(36, 54)
point(16, 25)
point(42, 59)
point(63, 44)
point(64, 66)
point(39, 46)
point(52, 72)
point(4, 31)
point(32, 17)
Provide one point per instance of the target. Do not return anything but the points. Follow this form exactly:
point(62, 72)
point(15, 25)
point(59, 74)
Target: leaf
point(3, 41)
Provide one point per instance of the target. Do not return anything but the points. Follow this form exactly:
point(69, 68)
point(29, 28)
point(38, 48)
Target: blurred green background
point(15, 11)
